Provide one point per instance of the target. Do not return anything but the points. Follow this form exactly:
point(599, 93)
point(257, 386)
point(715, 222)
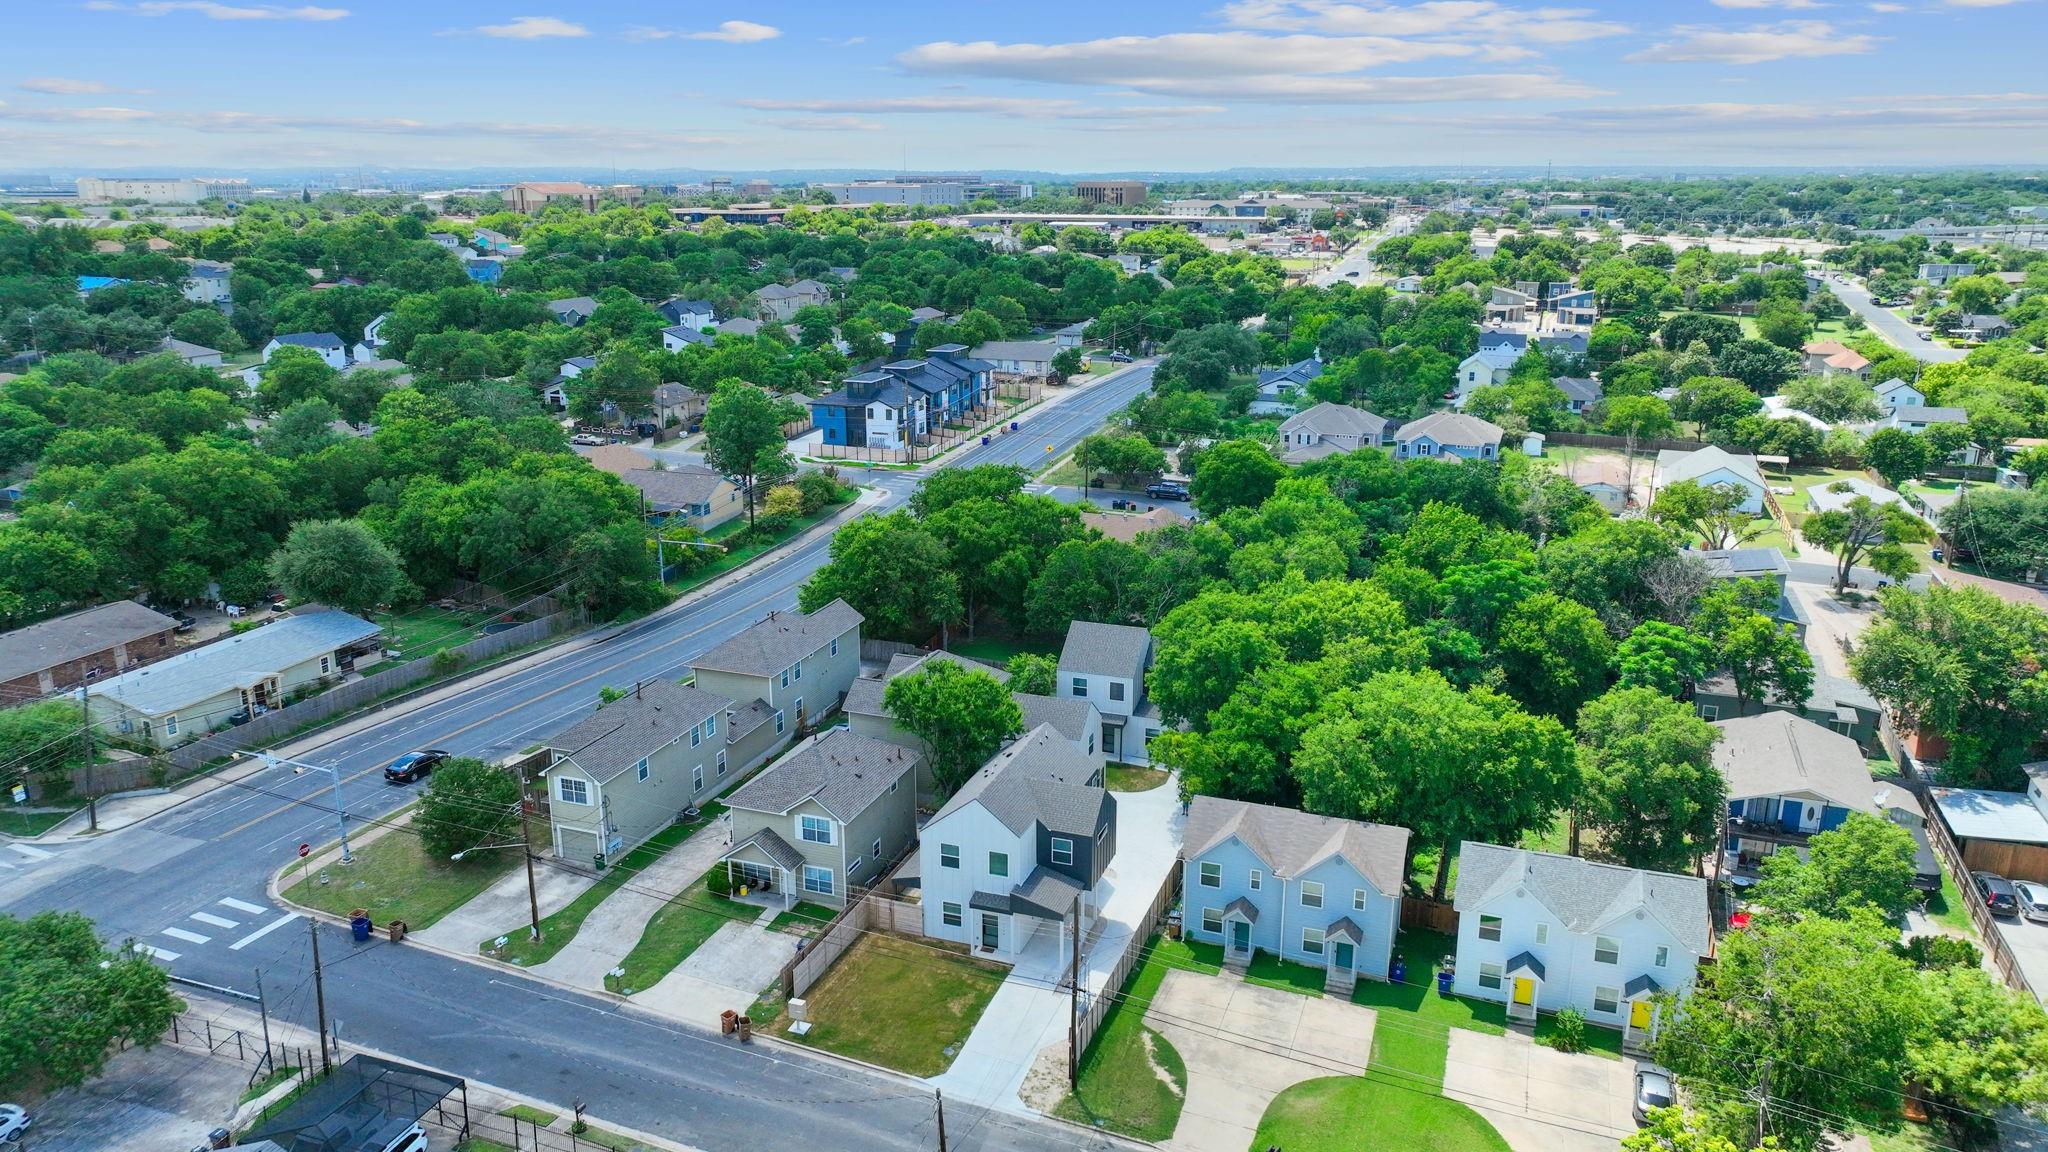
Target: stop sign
point(305, 850)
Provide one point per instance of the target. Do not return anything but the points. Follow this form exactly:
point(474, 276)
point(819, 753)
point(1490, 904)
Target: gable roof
point(1922, 414)
point(1041, 778)
point(688, 335)
point(1776, 752)
point(1824, 498)
point(779, 640)
point(1455, 428)
point(1094, 649)
point(1583, 389)
point(840, 770)
point(1063, 714)
point(677, 487)
point(1573, 343)
point(864, 695)
point(1730, 563)
point(616, 736)
point(573, 304)
point(76, 634)
point(1299, 372)
point(617, 459)
point(1291, 841)
point(186, 350)
point(309, 340)
point(1583, 894)
point(1327, 419)
point(237, 661)
point(1674, 465)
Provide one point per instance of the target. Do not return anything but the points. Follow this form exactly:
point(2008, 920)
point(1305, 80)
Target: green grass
point(1118, 1088)
point(31, 824)
point(1265, 969)
point(395, 879)
point(281, 1103)
point(903, 1004)
point(1120, 778)
point(479, 1144)
point(677, 929)
point(806, 919)
point(1414, 1051)
point(611, 1140)
point(530, 1114)
point(1416, 1005)
point(270, 1081)
point(1947, 909)
point(557, 930)
point(727, 561)
point(425, 630)
point(1330, 1114)
point(998, 650)
point(1064, 473)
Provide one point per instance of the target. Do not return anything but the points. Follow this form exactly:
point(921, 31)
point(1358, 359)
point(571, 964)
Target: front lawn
point(1121, 1087)
point(1331, 1114)
point(1120, 778)
point(677, 928)
point(903, 1004)
point(1265, 969)
point(806, 919)
point(395, 879)
point(557, 930)
point(29, 825)
point(1416, 1000)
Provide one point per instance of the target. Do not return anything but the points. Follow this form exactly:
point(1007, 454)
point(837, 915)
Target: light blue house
point(1788, 779)
point(1453, 435)
point(1312, 889)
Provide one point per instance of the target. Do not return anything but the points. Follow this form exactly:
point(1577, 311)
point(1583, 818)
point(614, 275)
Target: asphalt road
point(1359, 258)
point(192, 885)
point(1889, 326)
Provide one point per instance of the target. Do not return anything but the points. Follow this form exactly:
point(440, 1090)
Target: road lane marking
point(260, 933)
point(188, 937)
point(159, 953)
point(31, 853)
point(243, 905)
point(216, 921)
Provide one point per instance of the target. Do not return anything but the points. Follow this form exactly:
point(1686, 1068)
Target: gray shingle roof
point(1041, 778)
point(773, 846)
point(75, 634)
point(1291, 841)
point(618, 734)
point(1451, 428)
point(1917, 414)
point(1016, 350)
point(1244, 908)
point(842, 771)
point(1094, 649)
point(1728, 563)
point(1327, 419)
point(688, 335)
point(1675, 465)
point(582, 304)
point(236, 662)
point(670, 489)
point(864, 696)
point(1777, 752)
point(1047, 892)
point(1344, 928)
point(1583, 894)
point(779, 640)
point(1583, 389)
point(1063, 714)
point(309, 340)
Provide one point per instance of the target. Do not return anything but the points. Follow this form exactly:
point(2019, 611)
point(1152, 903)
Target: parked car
point(2033, 899)
point(1654, 1089)
point(586, 439)
point(1927, 335)
point(1997, 892)
point(413, 765)
point(1166, 490)
point(14, 1123)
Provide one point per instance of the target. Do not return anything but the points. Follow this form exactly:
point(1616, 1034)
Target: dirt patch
point(1046, 1084)
point(1152, 1060)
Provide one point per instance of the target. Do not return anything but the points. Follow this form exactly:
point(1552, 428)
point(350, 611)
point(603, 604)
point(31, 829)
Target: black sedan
point(414, 765)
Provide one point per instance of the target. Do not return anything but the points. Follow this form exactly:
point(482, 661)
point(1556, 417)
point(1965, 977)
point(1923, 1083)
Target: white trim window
point(876, 848)
point(785, 679)
point(796, 671)
point(1663, 956)
point(697, 779)
point(640, 770)
point(999, 864)
point(949, 855)
point(1062, 850)
point(711, 725)
point(1606, 950)
point(778, 721)
point(815, 829)
point(1311, 894)
point(721, 761)
point(1078, 686)
point(1358, 899)
point(835, 645)
point(1210, 874)
point(1256, 880)
point(1606, 1001)
point(1489, 927)
point(571, 790)
point(949, 913)
point(818, 880)
point(1490, 976)
point(171, 724)
point(1312, 941)
point(1710, 712)
point(1212, 920)
point(696, 737)
point(1542, 933)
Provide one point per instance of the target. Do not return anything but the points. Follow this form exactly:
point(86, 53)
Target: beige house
point(699, 496)
point(628, 770)
point(799, 665)
point(829, 816)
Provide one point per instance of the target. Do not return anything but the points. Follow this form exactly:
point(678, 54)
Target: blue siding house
point(1448, 434)
point(1312, 889)
point(1788, 778)
point(899, 403)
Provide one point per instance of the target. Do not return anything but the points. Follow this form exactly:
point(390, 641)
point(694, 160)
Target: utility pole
point(319, 993)
point(1074, 1005)
point(92, 800)
point(940, 1096)
point(526, 850)
point(263, 1008)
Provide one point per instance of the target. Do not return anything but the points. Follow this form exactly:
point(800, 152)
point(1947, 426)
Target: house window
point(817, 879)
point(697, 779)
point(854, 867)
point(171, 724)
point(1663, 956)
point(815, 829)
point(1311, 894)
point(1257, 878)
point(1606, 950)
point(1062, 850)
point(640, 769)
point(835, 646)
point(949, 855)
point(1489, 927)
point(1212, 919)
point(1543, 933)
point(785, 678)
point(1079, 686)
point(326, 662)
point(778, 720)
point(799, 705)
point(1358, 899)
point(1710, 711)
point(1091, 743)
point(949, 914)
point(711, 725)
point(999, 863)
point(1312, 941)
point(1607, 1001)
point(696, 737)
point(1490, 976)
point(570, 790)
point(876, 848)
point(1116, 690)
point(1109, 741)
point(721, 761)
point(797, 671)
point(1212, 874)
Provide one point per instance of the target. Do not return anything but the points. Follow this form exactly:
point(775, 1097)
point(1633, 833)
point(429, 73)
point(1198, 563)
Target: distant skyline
point(188, 86)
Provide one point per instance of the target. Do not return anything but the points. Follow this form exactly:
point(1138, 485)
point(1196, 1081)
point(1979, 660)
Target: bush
point(1569, 1034)
point(447, 661)
point(780, 510)
point(718, 881)
point(815, 491)
point(1939, 952)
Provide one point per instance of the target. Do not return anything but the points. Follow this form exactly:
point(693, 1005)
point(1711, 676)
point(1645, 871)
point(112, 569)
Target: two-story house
point(1542, 932)
point(1788, 778)
point(1280, 389)
point(626, 771)
point(1019, 849)
point(572, 310)
point(798, 664)
point(326, 345)
point(831, 815)
point(872, 410)
point(1313, 889)
point(1449, 436)
point(695, 315)
point(1490, 365)
point(1896, 393)
point(1327, 430)
point(1105, 665)
point(207, 283)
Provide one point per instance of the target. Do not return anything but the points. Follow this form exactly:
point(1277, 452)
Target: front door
point(1639, 1014)
point(1525, 990)
point(1340, 955)
point(1240, 936)
point(991, 931)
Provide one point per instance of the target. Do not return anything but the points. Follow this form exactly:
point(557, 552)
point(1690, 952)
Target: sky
point(196, 87)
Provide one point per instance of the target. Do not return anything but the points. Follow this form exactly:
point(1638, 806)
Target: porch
point(1238, 917)
point(763, 869)
point(1639, 1023)
point(1525, 988)
point(1340, 956)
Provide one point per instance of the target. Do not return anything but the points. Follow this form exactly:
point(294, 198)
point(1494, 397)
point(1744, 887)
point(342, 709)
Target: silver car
point(2033, 899)
point(14, 1123)
point(1654, 1089)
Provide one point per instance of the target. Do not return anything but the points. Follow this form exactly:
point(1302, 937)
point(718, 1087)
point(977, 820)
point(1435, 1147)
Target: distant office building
point(1002, 191)
point(757, 187)
point(1116, 193)
point(897, 192)
point(156, 189)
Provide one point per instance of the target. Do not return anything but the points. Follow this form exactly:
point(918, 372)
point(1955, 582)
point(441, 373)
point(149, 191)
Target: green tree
point(894, 571)
point(1653, 795)
point(1834, 399)
point(1711, 513)
point(1784, 323)
point(1897, 455)
point(1984, 1048)
point(1761, 366)
point(41, 740)
point(622, 382)
point(1666, 657)
point(1033, 674)
point(1867, 862)
point(1235, 474)
point(1716, 332)
point(1715, 403)
point(293, 374)
point(1554, 654)
point(1676, 1129)
point(337, 562)
point(1864, 529)
point(466, 806)
point(962, 716)
point(1767, 661)
point(741, 426)
point(68, 1002)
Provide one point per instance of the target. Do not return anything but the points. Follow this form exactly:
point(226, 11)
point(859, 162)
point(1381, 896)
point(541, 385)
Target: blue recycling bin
point(1398, 970)
point(359, 927)
point(985, 440)
point(1444, 977)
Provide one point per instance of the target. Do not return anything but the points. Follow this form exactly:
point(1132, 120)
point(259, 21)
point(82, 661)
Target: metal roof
point(1980, 814)
point(235, 662)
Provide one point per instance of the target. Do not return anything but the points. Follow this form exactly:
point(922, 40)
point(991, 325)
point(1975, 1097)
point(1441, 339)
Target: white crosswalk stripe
point(159, 953)
point(32, 853)
point(188, 937)
point(260, 933)
point(242, 905)
point(216, 921)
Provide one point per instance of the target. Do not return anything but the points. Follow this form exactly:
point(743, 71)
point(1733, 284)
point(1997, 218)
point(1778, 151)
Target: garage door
point(576, 844)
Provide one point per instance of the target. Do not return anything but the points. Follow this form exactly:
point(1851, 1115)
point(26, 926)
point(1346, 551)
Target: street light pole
point(299, 768)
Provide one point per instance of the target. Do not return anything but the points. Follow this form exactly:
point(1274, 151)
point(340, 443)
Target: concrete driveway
point(2028, 940)
point(1244, 1044)
point(161, 1099)
point(613, 927)
point(1540, 1099)
point(727, 971)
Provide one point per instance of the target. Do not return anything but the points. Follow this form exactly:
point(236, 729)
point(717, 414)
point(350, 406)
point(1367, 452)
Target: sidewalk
point(613, 927)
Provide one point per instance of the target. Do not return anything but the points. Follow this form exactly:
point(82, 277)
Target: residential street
point(1889, 326)
point(1359, 258)
point(191, 883)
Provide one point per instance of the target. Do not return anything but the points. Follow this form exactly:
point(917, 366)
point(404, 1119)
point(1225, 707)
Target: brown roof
point(1126, 526)
point(617, 459)
point(77, 634)
point(558, 187)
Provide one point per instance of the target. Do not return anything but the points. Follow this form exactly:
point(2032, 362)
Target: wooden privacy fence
point(1995, 947)
point(1133, 947)
point(867, 909)
point(273, 725)
point(1429, 915)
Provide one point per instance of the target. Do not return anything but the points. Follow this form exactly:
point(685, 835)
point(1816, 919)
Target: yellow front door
point(1525, 990)
point(1639, 1014)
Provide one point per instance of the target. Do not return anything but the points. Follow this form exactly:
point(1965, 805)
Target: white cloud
point(535, 28)
point(730, 32)
point(214, 11)
point(1137, 60)
point(1459, 19)
point(1888, 8)
point(59, 86)
point(1758, 44)
point(825, 124)
point(1013, 107)
point(48, 115)
point(1753, 4)
point(1978, 3)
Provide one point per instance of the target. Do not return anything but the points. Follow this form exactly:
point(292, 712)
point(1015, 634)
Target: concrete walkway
point(613, 927)
point(503, 908)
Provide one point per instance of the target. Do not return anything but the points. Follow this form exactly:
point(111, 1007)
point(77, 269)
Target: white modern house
point(1485, 368)
point(1714, 467)
point(207, 283)
point(1105, 665)
point(1896, 393)
point(326, 345)
point(1542, 932)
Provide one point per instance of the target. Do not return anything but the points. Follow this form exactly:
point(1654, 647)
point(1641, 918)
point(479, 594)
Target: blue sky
point(195, 85)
